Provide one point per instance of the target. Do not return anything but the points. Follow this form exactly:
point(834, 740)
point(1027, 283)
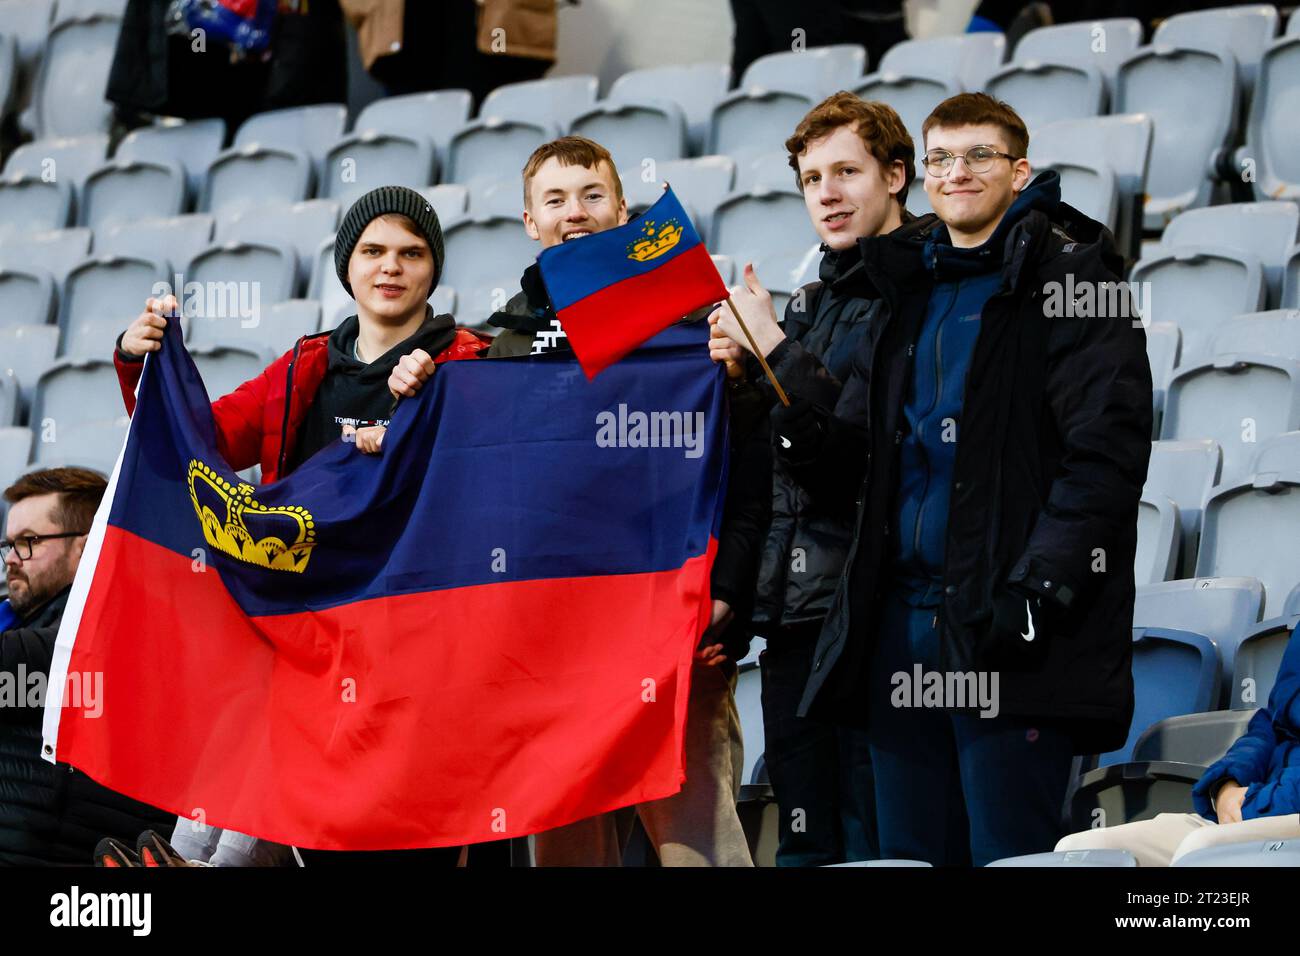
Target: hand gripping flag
point(614, 290)
point(484, 632)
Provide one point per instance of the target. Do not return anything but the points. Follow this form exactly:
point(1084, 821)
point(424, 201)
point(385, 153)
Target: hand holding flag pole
point(753, 347)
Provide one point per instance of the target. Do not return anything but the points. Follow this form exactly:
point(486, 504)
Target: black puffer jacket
point(808, 541)
point(1055, 440)
point(51, 813)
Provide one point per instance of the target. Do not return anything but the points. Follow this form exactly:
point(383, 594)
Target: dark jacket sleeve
point(1247, 762)
point(745, 520)
point(32, 647)
point(1099, 396)
point(832, 468)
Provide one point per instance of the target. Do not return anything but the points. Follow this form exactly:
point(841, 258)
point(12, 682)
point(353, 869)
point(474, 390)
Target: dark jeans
point(951, 788)
point(821, 774)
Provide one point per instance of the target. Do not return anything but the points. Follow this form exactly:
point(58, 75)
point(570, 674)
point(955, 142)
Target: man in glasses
point(995, 446)
point(49, 814)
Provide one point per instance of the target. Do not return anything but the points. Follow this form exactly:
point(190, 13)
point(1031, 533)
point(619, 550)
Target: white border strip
point(72, 614)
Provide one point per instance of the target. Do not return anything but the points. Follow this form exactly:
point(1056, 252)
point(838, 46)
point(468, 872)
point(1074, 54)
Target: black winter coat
point(51, 813)
point(1049, 468)
point(808, 540)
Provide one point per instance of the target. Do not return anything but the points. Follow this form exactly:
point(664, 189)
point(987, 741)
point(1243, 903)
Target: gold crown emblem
point(656, 241)
point(279, 538)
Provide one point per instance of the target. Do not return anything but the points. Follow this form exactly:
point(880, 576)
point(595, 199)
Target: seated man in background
point(1253, 793)
point(50, 814)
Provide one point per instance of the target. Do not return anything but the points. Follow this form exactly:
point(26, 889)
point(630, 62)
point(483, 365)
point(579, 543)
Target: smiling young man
point(572, 190)
point(852, 161)
point(995, 455)
point(342, 383)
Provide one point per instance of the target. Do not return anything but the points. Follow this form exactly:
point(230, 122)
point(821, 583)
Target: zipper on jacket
point(288, 404)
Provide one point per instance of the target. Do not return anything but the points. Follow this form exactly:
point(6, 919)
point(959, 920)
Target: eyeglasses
point(25, 544)
point(979, 159)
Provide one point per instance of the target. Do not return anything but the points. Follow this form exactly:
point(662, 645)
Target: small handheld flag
point(617, 289)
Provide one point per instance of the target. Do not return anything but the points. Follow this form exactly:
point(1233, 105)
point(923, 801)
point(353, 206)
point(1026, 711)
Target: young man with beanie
point(572, 190)
point(852, 161)
point(388, 253)
point(994, 448)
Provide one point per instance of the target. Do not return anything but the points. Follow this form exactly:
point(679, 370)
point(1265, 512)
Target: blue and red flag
point(484, 632)
point(614, 290)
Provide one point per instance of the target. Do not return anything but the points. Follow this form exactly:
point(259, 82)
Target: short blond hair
point(571, 151)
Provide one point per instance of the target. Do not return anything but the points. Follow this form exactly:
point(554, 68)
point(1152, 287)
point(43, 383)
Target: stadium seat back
point(553, 100)
point(817, 72)
point(1267, 230)
point(68, 95)
point(175, 240)
point(1159, 539)
point(749, 226)
point(480, 251)
point(252, 177)
point(1273, 142)
point(1103, 44)
point(194, 144)
point(696, 88)
point(635, 132)
point(27, 296)
point(107, 287)
point(117, 192)
point(311, 129)
point(1045, 92)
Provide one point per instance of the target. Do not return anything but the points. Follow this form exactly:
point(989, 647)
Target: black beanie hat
point(376, 203)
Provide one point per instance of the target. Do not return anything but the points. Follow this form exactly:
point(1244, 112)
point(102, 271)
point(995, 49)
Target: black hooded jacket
point(51, 813)
point(1055, 440)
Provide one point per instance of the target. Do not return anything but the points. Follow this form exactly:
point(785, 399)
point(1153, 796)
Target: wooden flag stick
point(780, 392)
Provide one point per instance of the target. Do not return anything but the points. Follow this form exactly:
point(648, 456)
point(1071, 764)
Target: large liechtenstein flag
point(614, 290)
point(484, 632)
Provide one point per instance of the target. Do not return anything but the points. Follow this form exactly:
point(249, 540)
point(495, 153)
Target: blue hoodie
point(965, 279)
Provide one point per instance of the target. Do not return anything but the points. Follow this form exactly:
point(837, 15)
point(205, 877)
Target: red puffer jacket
point(258, 422)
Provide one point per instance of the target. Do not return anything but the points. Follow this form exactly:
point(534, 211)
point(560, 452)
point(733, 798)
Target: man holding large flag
point(572, 191)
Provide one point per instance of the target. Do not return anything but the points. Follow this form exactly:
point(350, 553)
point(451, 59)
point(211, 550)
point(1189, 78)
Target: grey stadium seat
point(1291, 280)
point(492, 149)
point(28, 22)
point(68, 95)
point(752, 120)
point(1091, 189)
point(27, 204)
point(325, 286)
point(967, 60)
point(1256, 853)
point(436, 115)
point(748, 226)
point(1243, 30)
point(10, 402)
point(193, 143)
point(1122, 143)
point(98, 440)
point(1044, 92)
point(240, 281)
point(1158, 539)
point(312, 129)
point(279, 326)
point(71, 392)
point(700, 183)
point(634, 130)
point(1185, 472)
point(816, 72)
point(249, 177)
point(107, 287)
point(1266, 229)
point(1260, 653)
point(1103, 44)
point(1242, 519)
point(175, 240)
point(1160, 82)
point(74, 9)
point(1198, 739)
point(57, 250)
point(1164, 343)
point(8, 72)
point(1221, 608)
point(503, 199)
point(554, 100)
point(696, 88)
point(27, 296)
point(480, 251)
point(300, 226)
point(783, 272)
point(1240, 394)
point(363, 161)
point(15, 450)
point(1071, 858)
point(449, 201)
point(27, 351)
point(1199, 288)
point(474, 306)
point(225, 369)
point(912, 97)
point(116, 192)
point(93, 339)
point(69, 158)
point(1272, 144)
point(1293, 24)
point(766, 171)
